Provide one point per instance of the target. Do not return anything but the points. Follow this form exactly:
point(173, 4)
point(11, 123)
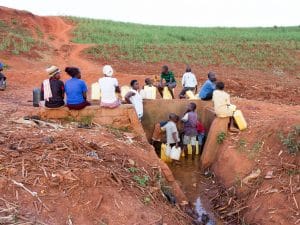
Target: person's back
point(108, 89)
point(74, 89)
point(208, 87)
point(189, 80)
point(207, 90)
point(221, 101)
point(171, 131)
point(190, 120)
point(57, 89)
point(190, 124)
point(52, 89)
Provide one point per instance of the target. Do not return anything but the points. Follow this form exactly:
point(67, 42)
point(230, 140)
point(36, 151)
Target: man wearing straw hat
point(52, 90)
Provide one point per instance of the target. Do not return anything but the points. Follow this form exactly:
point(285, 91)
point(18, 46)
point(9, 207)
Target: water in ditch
point(188, 175)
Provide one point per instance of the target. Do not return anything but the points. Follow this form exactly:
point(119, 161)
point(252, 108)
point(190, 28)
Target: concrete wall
point(154, 111)
point(159, 110)
point(121, 117)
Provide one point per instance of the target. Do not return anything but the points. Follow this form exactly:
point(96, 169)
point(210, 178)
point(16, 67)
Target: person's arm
point(118, 89)
point(183, 80)
point(196, 82)
point(84, 90)
point(42, 92)
point(128, 96)
point(174, 135)
point(185, 118)
point(63, 90)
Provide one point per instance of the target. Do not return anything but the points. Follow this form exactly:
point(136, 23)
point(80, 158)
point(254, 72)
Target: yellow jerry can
point(190, 148)
point(148, 92)
point(124, 90)
point(167, 94)
point(190, 95)
point(95, 91)
point(163, 155)
point(240, 120)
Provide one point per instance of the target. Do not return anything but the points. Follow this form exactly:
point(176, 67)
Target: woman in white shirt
point(133, 97)
point(221, 100)
point(108, 88)
point(189, 82)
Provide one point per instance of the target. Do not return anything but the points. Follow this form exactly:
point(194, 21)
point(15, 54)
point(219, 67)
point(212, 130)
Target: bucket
point(175, 153)
point(36, 97)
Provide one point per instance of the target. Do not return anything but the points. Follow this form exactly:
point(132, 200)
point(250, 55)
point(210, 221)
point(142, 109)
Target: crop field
point(15, 39)
point(251, 48)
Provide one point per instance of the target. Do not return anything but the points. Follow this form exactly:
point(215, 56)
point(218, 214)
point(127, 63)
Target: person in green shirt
point(167, 79)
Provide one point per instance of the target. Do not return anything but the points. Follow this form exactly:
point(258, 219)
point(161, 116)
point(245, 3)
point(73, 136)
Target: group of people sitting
point(53, 90)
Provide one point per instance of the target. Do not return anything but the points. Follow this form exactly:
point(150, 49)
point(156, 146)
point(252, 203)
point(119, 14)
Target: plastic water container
point(163, 154)
point(190, 95)
point(36, 97)
point(124, 90)
point(240, 120)
point(148, 92)
point(190, 150)
point(167, 94)
point(95, 91)
point(175, 153)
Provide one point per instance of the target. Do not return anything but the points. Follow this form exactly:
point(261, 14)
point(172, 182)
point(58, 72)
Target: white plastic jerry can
point(96, 93)
point(149, 92)
point(124, 90)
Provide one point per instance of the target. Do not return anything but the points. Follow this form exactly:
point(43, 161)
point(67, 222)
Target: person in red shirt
point(200, 136)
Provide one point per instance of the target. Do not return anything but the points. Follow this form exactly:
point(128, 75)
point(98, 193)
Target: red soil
point(121, 205)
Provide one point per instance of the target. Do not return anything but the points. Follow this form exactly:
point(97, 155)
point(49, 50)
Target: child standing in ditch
point(189, 120)
point(172, 131)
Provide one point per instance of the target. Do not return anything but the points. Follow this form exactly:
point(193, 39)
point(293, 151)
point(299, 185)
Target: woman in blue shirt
point(76, 90)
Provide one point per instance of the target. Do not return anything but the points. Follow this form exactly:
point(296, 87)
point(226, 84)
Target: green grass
point(252, 48)
point(221, 137)
point(292, 140)
point(14, 38)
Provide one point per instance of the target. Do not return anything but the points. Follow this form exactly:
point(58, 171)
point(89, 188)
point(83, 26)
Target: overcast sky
point(202, 13)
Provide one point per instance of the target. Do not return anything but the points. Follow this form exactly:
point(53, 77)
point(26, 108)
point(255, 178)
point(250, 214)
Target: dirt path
point(60, 33)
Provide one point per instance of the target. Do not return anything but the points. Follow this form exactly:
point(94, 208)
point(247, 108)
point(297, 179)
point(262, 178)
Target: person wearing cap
point(52, 90)
point(2, 78)
point(208, 87)
point(108, 88)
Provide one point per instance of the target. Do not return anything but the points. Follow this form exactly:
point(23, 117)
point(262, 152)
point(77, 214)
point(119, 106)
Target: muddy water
point(188, 175)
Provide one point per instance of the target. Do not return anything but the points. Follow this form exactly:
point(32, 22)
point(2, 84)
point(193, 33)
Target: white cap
point(108, 70)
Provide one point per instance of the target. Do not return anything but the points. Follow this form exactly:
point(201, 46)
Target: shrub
point(221, 137)
point(292, 140)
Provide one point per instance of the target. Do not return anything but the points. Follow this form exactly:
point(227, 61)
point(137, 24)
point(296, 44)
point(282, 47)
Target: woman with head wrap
point(52, 90)
point(108, 87)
